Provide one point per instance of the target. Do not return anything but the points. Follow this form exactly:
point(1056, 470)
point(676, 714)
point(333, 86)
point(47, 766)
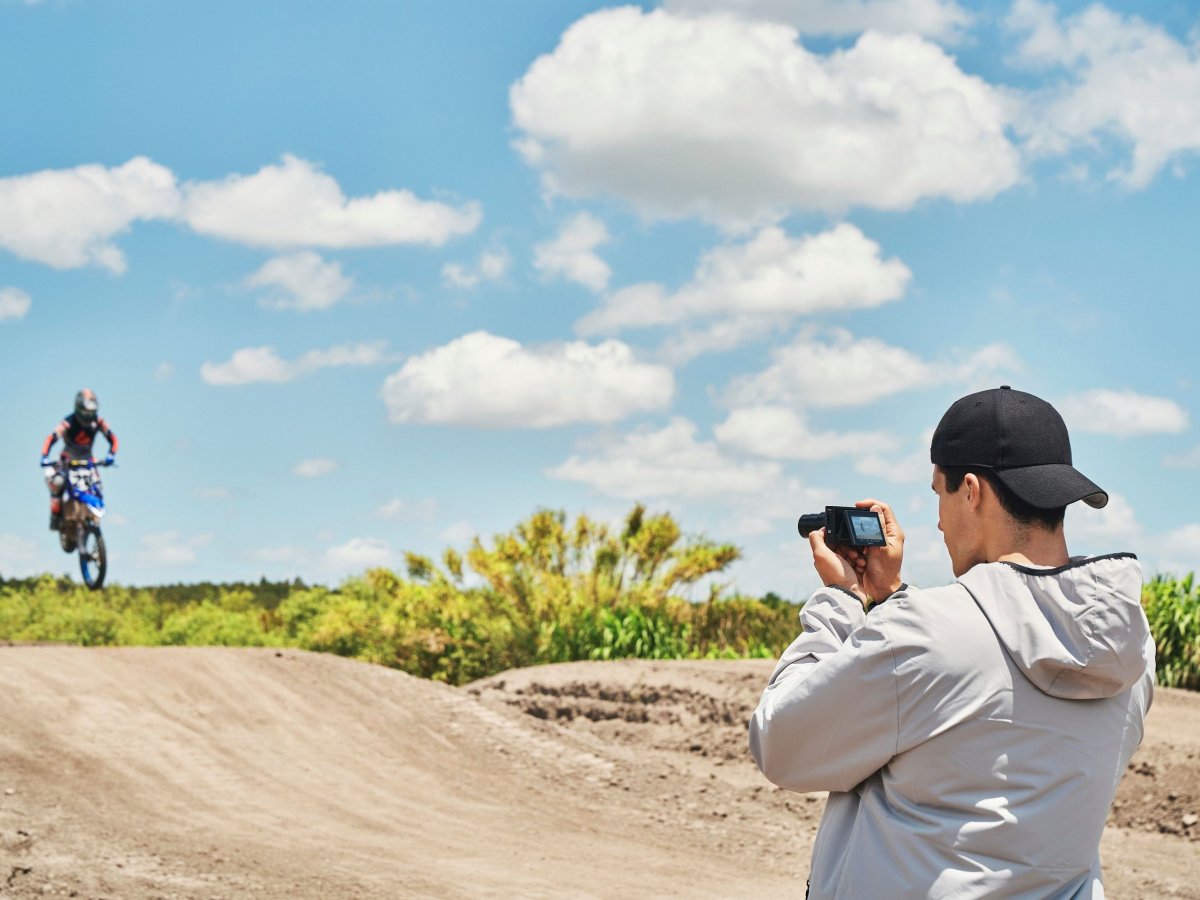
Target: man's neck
point(1036, 547)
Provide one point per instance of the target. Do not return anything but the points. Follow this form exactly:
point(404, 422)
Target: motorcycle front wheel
point(93, 562)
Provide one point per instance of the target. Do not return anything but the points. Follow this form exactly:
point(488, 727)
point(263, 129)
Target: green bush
point(550, 591)
point(211, 624)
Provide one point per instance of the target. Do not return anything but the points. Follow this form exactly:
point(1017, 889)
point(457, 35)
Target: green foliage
point(1173, 608)
point(741, 627)
point(208, 624)
point(549, 590)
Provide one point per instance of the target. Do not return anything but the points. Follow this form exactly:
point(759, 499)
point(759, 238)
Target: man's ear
point(973, 485)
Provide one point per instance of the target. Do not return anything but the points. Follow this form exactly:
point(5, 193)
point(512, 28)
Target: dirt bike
point(79, 523)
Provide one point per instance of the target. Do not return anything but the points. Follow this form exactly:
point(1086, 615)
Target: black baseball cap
point(1022, 439)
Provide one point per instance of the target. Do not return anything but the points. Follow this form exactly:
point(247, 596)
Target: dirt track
point(216, 773)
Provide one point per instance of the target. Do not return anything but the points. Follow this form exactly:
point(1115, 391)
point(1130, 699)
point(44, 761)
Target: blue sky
point(362, 278)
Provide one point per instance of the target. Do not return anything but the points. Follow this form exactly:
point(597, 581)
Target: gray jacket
point(971, 736)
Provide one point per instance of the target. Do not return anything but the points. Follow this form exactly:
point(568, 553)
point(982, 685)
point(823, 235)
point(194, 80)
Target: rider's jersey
point(78, 436)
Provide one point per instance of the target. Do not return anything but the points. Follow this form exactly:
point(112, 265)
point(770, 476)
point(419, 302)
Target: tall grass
point(1173, 608)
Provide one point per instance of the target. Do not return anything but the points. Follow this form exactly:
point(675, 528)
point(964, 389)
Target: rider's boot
point(55, 513)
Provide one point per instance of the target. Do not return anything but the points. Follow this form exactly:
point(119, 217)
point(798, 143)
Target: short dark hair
point(1023, 512)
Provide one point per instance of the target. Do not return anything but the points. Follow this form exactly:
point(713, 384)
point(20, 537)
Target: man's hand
point(834, 570)
point(46, 462)
point(877, 569)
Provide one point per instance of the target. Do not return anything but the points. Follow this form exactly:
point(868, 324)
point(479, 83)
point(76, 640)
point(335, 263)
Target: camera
point(847, 526)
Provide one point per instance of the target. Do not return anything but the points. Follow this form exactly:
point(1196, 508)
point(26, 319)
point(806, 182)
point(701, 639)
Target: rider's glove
point(45, 461)
point(109, 460)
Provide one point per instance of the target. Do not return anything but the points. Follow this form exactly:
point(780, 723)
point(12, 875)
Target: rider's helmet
point(86, 406)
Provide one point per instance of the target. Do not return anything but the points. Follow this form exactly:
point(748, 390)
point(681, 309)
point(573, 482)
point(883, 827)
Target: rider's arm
point(60, 430)
point(107, 432)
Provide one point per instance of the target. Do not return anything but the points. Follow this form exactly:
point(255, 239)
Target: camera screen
point(866, 527)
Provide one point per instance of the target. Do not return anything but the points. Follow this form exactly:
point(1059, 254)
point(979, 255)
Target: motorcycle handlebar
point(47, 462)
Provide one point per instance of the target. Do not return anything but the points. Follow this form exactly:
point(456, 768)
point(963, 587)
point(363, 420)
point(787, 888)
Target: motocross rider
point(78, 431)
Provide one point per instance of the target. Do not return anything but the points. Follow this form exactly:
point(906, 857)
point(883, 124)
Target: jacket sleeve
point(829, 715)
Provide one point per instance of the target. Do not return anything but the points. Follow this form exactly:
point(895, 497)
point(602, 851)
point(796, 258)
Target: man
point(971, 736)
point(78, 432)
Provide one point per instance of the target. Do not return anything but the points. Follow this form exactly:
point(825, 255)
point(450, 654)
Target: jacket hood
point(1077, 632)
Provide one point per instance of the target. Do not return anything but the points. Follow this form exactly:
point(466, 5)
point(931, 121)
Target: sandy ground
point(216, 773)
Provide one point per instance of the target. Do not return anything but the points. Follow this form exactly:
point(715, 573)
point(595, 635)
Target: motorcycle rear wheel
point(93, 560)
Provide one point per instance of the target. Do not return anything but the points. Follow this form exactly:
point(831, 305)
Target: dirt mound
point(177, 772)
point(216, 773)
point(693, 715)
point(670, 717)
point(1161, 790)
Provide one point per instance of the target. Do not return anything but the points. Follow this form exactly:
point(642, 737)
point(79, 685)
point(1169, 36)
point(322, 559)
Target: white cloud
point(360, 553)
point(169, 548)
point(1122, 413)
point(492, 266)
point(306, 281)
point(926, 560)
point(939, 19)
point(735, 121)
point(717, 336)
point(1126, 79)
point(263, 364)
point(572, 253)
point(787, 500)
point(457, 275)
point(314, 468)
point(284, 554)
point(14, 303)
point(250, 364)
point(836, 369)
point(770, 278)
point(483, 380)
point(67, 218)
point(164, 372)
point(1181, 549)
point(669, 462)
point(399, 508)
point(1116, 528)
point(782, 433)
point(368, 354)
point(459, 533)
point(913, 467)
point(1188, 459)
point(393, 508)
point(1099, 529)
point(294, 204)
